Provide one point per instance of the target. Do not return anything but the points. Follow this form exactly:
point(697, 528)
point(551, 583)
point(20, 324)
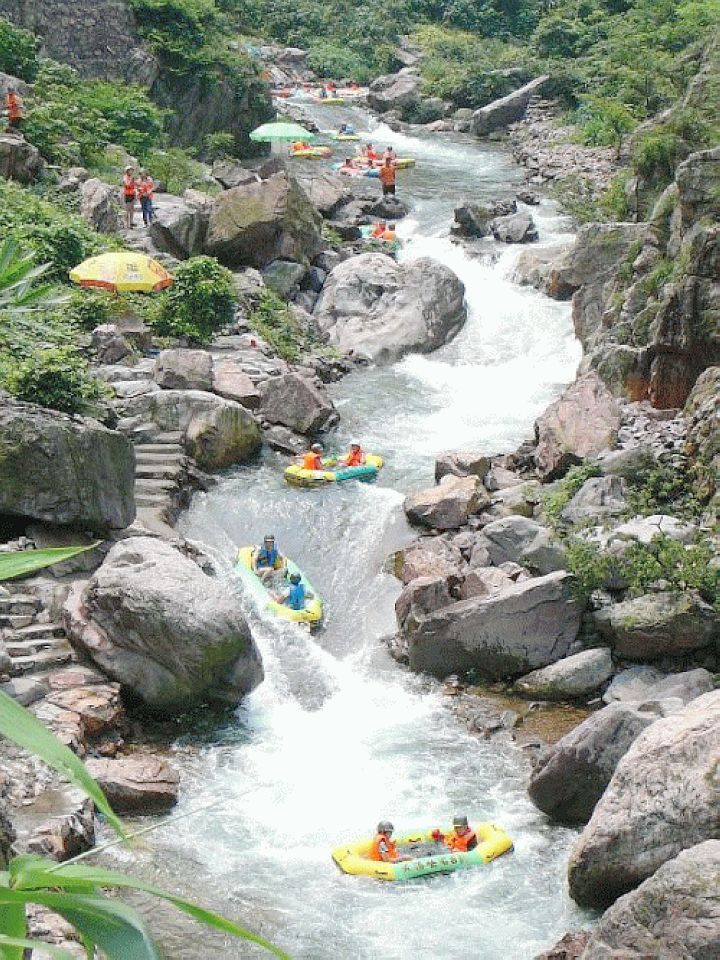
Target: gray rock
point(662, 799)
point(528, 626)
point(139, 783)
point(598, 497)
point(629, 462)
point(582, 423)
point(179, 226)
point(647, 683)
point(517, 228)
point(428, 557)
point(658, 625)
point(397, 91)
point(99, 205)
point(673, 915)
point(472, 220)
point(65, 470)
point(19, 160)
point(569, 947)
point(501, 113)
point(520, 540)
point(296, 402)
point(26, 690)
point(499, 478)
point(152, 620)
point(447, 505)
point(461, 464)
point(570, 678)
point(109, 344)
point(328, 192)
point(374, 306)
point(257, 223)
point(421, 596)
point(230, 381)
point(484, 582)
point(643, 529)
point(229, 173)
point(284, 277)
point(571, 775)
point(180, 369)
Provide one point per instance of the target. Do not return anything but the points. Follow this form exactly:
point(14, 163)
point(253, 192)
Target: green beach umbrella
point(270, 132)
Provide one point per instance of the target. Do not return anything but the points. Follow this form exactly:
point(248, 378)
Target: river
point(339, 736)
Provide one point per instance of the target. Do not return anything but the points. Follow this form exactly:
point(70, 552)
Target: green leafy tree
point(18, 51)
point(200, 301)
point(55, 377)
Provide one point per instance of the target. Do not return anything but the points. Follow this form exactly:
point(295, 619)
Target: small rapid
point(339, 736)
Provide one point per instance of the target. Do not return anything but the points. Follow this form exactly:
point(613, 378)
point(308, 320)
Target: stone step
point(44, 660)
point(151, 500)
point(23, 648)
point(159, 453)
point(37, 631)
point(14, 621)
point(19, 604)
point(158, 470)
point(151, 485)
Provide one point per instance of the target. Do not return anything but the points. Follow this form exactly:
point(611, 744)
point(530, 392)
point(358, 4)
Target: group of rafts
point(422, 852)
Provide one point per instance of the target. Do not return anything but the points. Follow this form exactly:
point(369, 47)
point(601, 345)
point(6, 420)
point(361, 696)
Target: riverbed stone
point(484, 582)
point(447, 505)
point(516, 228)
point(229, 380)
point(582, 423)
point(461, 463)
point(137, 784)
point(570, 678)
point(421, 596)
point(662, 799)
point(658, 624)
point(572, 774)
point(506, 110)
point(518, 499)
point(644, 529)
point(569, 947)
point(644, 682)
point(153, 621)
point(529, 625)
point(521, 540)
point(181, 369)
point(673, 915)
point(599, 497)
point(295, 402)
point(428, 557)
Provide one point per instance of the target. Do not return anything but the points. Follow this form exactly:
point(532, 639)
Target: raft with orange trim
point(353, 858)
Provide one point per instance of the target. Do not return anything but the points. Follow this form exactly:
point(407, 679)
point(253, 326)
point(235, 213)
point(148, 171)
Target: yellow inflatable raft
point(298, 476)
point(313, 611)
point(353, 858)
point(312, 153)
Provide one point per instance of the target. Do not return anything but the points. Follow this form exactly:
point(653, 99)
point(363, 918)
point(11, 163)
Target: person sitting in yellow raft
point(296, 596)
point(267, 559)
point(380, 228)
point(383, 848)
point(299, 145)
point(312, 459)
point(462, 839)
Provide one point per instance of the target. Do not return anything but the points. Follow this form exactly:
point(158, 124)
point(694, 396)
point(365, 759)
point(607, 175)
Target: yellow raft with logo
point(354, 858)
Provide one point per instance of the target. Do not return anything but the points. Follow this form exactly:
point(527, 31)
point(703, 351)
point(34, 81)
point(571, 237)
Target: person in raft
point(380, 228)
point(389, 154)
point(383, 848)
point(355, 458)
point(387, 178)
point(462, 839)
point(129, 191)
point(14, 107)
point(389, 234)
point(312, 458)
point(296, 596)
point(267, 559)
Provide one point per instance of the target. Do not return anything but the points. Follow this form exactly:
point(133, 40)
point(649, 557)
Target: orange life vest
point(390, 852)
point(129, 187)
point(387, 174)
point(145, 188)
point(389, 235)
point(459, 843)
point(312, 461)
point(355, 458)
point(378, 232)
point(14, 106)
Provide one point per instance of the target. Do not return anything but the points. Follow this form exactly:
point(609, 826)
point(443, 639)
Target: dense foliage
point(200, 302)
point(18, 51)
point(55, 377)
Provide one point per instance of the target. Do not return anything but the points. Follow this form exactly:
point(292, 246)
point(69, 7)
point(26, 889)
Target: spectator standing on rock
point(145, 188)
point(129, 188)
point(387, 178)
point(14, 107)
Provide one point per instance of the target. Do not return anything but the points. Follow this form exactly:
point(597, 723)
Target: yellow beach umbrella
point(122, 271)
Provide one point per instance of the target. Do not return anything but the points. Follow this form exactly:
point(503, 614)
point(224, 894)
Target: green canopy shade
point(280, 131)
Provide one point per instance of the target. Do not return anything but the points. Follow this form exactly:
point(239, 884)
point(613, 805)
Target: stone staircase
point(161, 467)
point(139, 239)
point(31, 641)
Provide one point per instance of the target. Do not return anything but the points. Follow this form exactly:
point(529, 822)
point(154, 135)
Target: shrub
point(176, 168)
point(56, 377)
point(218, 146)
point(18, 51)
point(663, 490)
point(200, 302)
point(271, 319)
point(554, 503)
point(336, 60)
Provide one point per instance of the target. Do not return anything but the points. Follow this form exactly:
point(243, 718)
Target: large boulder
point(501, 113)
point(256, 223)
point(179, 226)
point(99, 205)
point(65, 470)
point(421, 596)
point(137, 784)
point(658, 625)
point(529, 625)
point(230, 173)
point(19, 160)
point(181, 369)
point(428, 557)
point(599, 497)
point(216, 432)
point(229, 380)
point(108, 343)
point(515, 228)
point(461, 463)
point(570, 678)
point(173, 636)
point(647, 683)
point(327, 191)
point(572, 774)
point(673, 915)
point(663, 798)
point(295, 402)
point(703, 438)
point(374, 306)
point(582, 423)
point(520, 540)
point(395, 91)
point(447, 505)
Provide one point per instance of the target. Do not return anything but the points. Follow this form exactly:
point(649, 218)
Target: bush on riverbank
point(200, 302)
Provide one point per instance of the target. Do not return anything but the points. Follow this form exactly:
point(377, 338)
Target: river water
point(339, 736)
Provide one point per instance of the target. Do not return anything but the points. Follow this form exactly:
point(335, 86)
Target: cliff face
point(97, 37)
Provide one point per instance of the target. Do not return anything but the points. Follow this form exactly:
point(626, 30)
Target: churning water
point(338, 736)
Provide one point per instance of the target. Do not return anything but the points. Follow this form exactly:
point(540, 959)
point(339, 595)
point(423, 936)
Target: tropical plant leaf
point(21, 945)
point(12, 926)
point(20, 726)
point(32, 872)
point(21, 562)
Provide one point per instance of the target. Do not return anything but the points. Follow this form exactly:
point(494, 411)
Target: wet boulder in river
point(295, 402)
point(447, 505)
point(376, 307)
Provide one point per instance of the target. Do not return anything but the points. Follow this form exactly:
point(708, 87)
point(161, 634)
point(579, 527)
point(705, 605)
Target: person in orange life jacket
point(387, 178)
point(266, 559)
point(145, 188)
point(355, 458)
point(462, 839)
point(380, 228)
point(389, 154)
point(312, 459)
point(371, 153)
point(383, 848)
point(14, 107)
point(129, 189)
point(389, 234)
